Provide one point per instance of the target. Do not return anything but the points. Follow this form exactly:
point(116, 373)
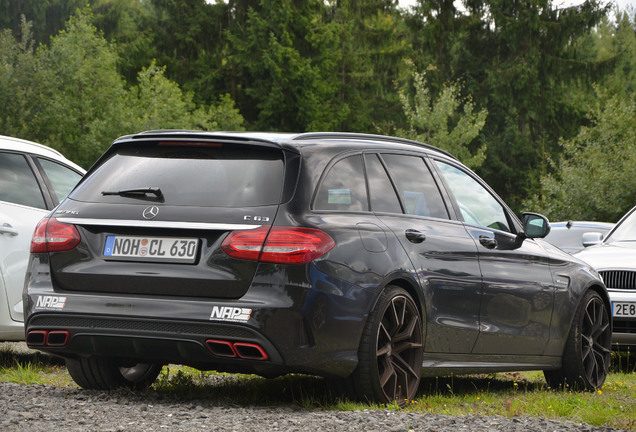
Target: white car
point(33, 180)
point(614, 257)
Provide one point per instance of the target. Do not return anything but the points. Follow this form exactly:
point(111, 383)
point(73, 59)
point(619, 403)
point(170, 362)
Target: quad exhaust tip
point(244, 350)
point(53, 338)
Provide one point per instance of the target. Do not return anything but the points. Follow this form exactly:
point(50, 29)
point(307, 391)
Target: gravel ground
point(43, 408)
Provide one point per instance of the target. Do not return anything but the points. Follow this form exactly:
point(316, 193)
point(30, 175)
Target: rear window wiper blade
point(136, 191)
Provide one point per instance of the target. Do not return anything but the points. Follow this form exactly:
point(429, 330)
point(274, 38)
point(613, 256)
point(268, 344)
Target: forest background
point(538, 99)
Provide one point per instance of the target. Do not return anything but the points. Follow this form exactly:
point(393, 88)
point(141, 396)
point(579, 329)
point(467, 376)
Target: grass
point(505, 394)
point(31, 369)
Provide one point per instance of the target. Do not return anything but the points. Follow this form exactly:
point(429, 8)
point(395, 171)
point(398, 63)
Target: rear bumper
point(293, 319)
point(311, 331)
point(180, 342)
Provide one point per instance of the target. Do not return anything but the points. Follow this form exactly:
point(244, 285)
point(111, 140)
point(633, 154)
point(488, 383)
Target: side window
point(477, 205)
point(416, 186)
point(62, 178)
point(343, 188)
point(381, 192)
point(18, 185)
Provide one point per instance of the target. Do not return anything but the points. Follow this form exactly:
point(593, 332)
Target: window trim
point(323, 177)
point(513, 222)
point(48, 185)
point(49, 203)
point(378, 156)
point(424, 157)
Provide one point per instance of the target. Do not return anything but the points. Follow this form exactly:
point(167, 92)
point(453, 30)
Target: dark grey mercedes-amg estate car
point(365, 259)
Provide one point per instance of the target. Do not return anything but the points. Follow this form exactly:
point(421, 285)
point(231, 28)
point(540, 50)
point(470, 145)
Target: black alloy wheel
point(587, 354)
point(596, 340)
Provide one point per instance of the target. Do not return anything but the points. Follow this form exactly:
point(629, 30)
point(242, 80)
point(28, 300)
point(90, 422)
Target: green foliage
point(70, 95)
point(596, 179)
point(318, 65)
point(224, 116)
point(81, 101)
point(158, 103)
point(126, 24)
point(48, 16)
point(442, 122)
point(284, 52)
point(517, 58)
point(373, 42)
point(17, 81)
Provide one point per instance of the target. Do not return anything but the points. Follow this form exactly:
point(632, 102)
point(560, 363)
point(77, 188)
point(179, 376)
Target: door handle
point(6, 228)
point(487, 242)
point(415, 236)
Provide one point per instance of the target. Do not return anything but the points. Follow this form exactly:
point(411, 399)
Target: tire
point(587, 353)
point(390, 353)
point(99, 373)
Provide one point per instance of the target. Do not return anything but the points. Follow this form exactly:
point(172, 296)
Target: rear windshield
point(202, 176)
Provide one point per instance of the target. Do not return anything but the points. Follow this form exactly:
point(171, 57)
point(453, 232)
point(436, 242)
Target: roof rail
point(353, 135)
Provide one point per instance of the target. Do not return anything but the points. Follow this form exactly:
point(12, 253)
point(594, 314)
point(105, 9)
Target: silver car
point(568, 236)
point(614, 257)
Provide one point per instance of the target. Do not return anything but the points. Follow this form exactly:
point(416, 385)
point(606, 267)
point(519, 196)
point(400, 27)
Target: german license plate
point(624, 309)
point(155, 249)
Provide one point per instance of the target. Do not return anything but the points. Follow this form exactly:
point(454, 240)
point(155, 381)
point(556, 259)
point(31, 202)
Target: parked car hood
point(610, 255)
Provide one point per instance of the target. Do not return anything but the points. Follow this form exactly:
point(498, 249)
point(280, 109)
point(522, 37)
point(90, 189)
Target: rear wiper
point(136, 191)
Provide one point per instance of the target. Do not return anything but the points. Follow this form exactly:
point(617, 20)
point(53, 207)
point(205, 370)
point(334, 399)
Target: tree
point(81, 106)
point(614, 44)
point(282, 60)
point(449, 122)
point(17, 84)
point(189, 38)
point(518, 59)
point(596, 179)
point(128, 26)
point(47, 17)
point(70, 96)
point(159, 103)
point(373, 41)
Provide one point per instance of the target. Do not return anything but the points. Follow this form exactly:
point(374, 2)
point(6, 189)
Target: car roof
point(25, 146)
point(284, 139)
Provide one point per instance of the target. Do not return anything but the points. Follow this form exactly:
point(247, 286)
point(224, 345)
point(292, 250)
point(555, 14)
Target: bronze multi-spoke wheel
point(390, 354)
point(586, 358)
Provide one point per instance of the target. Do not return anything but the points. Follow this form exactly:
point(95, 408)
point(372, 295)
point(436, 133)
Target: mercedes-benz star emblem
point(150, 212)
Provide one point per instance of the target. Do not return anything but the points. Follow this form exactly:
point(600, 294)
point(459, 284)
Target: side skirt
point(439, 364)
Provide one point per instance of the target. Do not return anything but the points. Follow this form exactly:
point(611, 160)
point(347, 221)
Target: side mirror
point(591, 238)
point(535, 225)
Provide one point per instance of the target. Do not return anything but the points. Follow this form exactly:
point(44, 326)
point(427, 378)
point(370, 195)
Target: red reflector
point(283, 245)
point(52, 235)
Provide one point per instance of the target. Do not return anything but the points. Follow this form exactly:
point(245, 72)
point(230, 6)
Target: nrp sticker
point(229, 313)
point(50, 302)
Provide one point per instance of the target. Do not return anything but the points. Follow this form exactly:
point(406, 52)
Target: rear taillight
point(52, 235)
point(280, 245)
